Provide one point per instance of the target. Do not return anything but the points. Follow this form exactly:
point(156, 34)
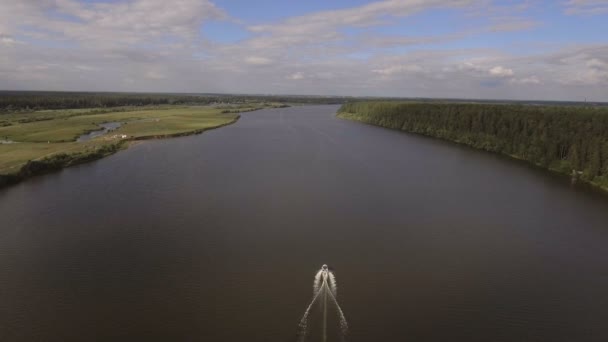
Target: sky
point(486, 49)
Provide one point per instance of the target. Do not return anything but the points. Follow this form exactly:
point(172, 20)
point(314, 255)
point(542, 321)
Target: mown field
point(571, 140)
point(31, 142)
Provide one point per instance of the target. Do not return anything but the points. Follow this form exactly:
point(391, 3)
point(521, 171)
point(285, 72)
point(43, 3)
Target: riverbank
point(571, 141)
point(62, 160)
point(42, 146)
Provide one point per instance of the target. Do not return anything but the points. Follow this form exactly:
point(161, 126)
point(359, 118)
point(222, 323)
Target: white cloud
point(157, 45)
point(296, 76)
point(256, 60)
point(526, 80)
point(581, 67)
point(481, 68)
point(388, 41)
point(399, 69)
point(109, 24)
point(361, 16)
point(325, 25)
point(85, 67)
point(596, 63)
point(500, 71)
point(6, 39)
point(585, 7)
point(513, 24)
point(154, 75)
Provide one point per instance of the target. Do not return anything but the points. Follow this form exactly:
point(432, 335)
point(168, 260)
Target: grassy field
point(46, 136)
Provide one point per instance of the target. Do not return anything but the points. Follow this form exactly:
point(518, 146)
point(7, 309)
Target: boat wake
point(325, 292)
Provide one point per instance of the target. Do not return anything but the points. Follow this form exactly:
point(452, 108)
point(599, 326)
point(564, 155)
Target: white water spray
point(316, 286)
point(326, 291)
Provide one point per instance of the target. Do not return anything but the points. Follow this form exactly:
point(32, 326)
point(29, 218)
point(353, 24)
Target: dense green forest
point(566, 139)
point(11, 101)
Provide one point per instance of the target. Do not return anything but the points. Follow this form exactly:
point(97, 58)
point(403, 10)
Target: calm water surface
point(217, 237)
point(103, 129)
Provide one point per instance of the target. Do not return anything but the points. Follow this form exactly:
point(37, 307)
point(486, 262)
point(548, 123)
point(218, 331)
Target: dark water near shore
point(104, 128)
point(217, 237)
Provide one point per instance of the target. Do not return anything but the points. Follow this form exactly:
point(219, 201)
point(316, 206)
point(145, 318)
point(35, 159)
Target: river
point(217, 237)
point(103, 129)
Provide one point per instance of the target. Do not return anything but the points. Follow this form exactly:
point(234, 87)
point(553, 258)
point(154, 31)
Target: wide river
point(217, 237)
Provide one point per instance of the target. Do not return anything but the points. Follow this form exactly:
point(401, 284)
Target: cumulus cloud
point(326, 26)
point(580, 67)
point(513, 24)
point(399, 69)
point(388, 41)
point(6, 39)
point(483, 69)
point(533, 79)
point(597, 64)
point(156, 45)
point(500, 71)
point(586, 7)
point(109, 23)
point(154, 75)
point(361, 16)
point(296, 76)
point(256, 60)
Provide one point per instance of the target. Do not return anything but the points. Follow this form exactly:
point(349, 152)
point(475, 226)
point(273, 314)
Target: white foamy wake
point(343, 323)
point(324, 283)
point(332, 283)
point(303, 326)
point(316, 286)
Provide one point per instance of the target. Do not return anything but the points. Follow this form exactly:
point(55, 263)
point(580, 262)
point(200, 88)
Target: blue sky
point(518, 49)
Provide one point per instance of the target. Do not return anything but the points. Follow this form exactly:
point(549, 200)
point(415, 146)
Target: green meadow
point(50, 135)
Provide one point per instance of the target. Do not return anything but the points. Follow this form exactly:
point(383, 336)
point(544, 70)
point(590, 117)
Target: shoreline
point(59, 161)
point(594, 185)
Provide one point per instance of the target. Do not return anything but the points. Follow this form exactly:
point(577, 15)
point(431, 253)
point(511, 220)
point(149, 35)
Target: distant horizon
point(520, 50)
point(303, 95)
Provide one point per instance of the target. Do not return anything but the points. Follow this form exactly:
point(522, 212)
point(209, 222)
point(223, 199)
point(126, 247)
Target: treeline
point(570, 140)
point(12, 101)
point(26, 101)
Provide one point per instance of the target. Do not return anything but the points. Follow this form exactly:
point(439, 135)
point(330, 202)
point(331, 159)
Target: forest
point(571, 140)
point(29, 101)
point(26, 101)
